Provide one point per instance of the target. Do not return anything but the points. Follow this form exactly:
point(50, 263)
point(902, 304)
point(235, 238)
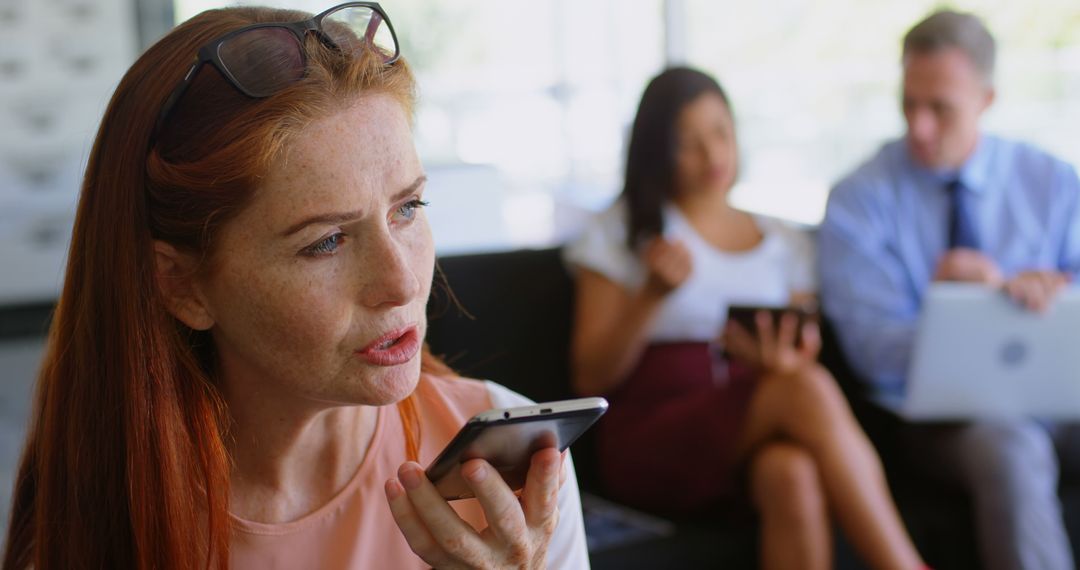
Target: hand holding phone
point(775, 339)
point(507, 438)
point(522, 445)
point(746, 316)
point(519, 528)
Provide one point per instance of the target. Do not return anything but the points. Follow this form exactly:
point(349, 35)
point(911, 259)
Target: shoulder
point(468, 392)
point(872, 174)
point(1028, 158)
point(503, 397)
point(612, 222)
point(601, 247)
point(872, 190)
point(789, 234)
point(464, 395)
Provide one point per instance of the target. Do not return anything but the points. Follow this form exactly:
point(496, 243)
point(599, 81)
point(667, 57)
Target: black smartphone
point(507, 438)
point(746, 316)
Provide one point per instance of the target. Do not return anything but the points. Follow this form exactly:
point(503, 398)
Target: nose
point(922, 125)
point(714, 153)
point(387, 277)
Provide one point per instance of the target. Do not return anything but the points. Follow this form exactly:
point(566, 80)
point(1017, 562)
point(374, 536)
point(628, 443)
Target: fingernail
point(410, 476)
point(393, 489)
point(476, 473)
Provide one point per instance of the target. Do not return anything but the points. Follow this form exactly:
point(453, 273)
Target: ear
point(175, 273)
point(991, 94)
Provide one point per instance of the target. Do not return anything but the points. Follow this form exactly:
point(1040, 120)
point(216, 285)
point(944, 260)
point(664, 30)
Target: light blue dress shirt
point(886, 226)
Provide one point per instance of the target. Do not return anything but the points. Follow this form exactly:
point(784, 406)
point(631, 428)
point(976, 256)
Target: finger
point(740, 343)
point(766, 336)
point(1044, 288)
point(1015, 289)
point(501, 507)
point(682, 253)
point(541, 494)
point(1051, 284)
point(412, 528)
point(789, 323)
point(653, 251)
point(811, 340)
point(452, 534)
point(1030, 292)
point(677, 266)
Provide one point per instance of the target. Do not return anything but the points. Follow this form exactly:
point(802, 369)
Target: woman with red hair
point(235, 373)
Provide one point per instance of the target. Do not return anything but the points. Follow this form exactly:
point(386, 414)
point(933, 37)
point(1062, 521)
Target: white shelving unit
point(59, 63)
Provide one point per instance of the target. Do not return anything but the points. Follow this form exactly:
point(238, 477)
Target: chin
point(391, 385)
point(926, 158)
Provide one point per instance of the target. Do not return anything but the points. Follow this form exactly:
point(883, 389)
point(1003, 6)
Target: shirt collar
point(974, 174)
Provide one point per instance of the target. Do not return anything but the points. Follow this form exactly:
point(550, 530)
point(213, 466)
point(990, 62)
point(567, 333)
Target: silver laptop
point(978, 354)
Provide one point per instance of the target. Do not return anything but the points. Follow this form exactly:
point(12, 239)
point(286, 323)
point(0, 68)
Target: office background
point(524, 110)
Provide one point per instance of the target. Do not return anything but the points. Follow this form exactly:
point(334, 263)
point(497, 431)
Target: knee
point(812, 386)
point(784, 477)
point(815, 402)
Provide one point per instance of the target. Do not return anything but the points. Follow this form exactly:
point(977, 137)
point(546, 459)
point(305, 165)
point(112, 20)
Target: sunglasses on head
point(262, 59)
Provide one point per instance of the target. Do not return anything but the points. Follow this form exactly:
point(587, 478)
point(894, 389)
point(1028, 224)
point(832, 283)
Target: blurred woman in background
point(656, 272)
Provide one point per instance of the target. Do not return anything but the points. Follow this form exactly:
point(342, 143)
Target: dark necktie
point(961, 226)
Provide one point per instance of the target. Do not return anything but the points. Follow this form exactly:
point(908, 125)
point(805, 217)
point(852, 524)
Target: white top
point(783, 263)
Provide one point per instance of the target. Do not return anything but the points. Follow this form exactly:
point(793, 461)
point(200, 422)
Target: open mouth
point(391, 349)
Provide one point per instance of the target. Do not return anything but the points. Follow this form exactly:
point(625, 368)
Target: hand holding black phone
point(507, 438)
point(746, 317)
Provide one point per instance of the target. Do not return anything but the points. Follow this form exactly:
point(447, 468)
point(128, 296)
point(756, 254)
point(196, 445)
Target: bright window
point(816, 84)
point(523, 107)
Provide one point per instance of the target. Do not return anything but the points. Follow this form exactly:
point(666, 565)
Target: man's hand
point(668, 263)
point(1036, 290)
point(969, 266)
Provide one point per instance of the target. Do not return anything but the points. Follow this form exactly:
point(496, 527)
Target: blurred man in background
point(949, 203)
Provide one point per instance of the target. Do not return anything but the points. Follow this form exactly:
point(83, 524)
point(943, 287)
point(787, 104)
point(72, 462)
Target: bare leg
point(808, 409)
point(795, 527)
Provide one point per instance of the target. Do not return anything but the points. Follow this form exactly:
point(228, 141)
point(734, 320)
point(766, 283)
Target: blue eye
point(325, 247)
point(407, 211)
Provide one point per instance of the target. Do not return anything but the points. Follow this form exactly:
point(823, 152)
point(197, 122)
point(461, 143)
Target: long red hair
point(125, 464)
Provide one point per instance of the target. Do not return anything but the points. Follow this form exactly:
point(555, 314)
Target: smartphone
point(746, 316)
point(507, 438)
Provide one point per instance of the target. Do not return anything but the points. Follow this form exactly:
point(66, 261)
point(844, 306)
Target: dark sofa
point(516, 332)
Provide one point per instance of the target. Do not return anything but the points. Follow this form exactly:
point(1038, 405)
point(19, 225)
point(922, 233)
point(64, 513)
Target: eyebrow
point(341, 217)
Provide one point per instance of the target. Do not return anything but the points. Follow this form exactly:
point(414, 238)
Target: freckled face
point(319, 288)
point(706, 157)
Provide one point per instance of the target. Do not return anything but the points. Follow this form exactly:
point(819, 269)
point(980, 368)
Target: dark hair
point(948, 29)
point(650, 158)
point(125, 464)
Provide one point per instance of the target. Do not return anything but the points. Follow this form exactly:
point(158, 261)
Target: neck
point(972, 146)
point(713, 205)
point(289, 462)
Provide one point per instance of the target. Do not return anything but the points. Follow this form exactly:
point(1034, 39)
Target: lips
point(393, 348)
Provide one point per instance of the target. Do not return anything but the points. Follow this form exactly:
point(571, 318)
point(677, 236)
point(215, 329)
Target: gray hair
point(948, 29)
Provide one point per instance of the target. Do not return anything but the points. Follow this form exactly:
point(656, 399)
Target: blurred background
point(525, 107)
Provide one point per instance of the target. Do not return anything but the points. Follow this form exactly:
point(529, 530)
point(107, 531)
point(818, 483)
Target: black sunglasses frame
point(210, 53)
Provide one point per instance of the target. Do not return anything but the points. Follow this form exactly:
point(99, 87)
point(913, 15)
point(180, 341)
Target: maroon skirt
point(667, 444)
